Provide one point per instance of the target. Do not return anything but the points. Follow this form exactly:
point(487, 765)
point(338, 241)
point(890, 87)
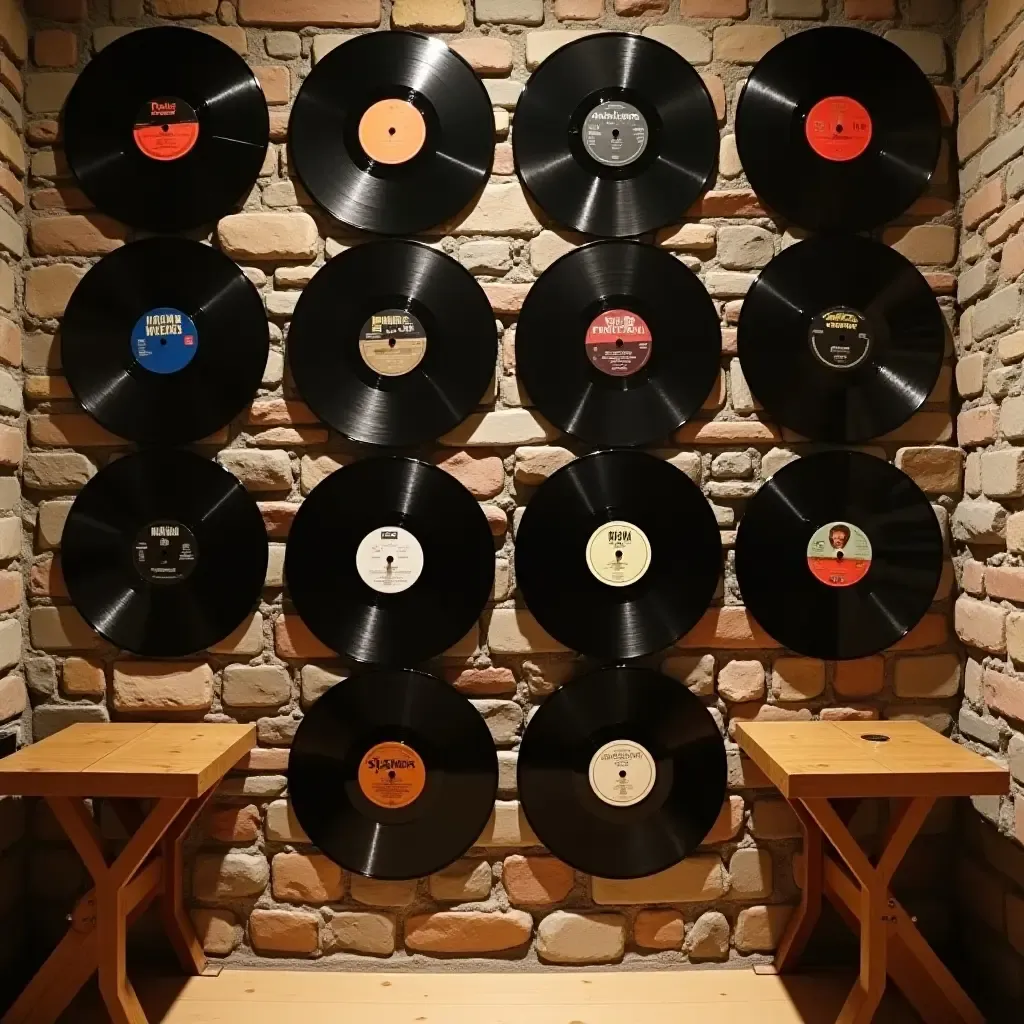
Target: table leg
point(801, 924)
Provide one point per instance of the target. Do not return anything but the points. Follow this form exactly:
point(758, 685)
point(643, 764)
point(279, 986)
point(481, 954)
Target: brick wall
point(988, 524)
point(258, 888)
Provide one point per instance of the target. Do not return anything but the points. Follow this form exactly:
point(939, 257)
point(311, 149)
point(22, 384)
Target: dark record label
point(615, 133)
point(165, 552)
point(618, 342)
point(840, 338)
point(392, 342)
point(164, 340)
point(838, 128)
point(839, 554)
point(166, 128)
point(392, 775)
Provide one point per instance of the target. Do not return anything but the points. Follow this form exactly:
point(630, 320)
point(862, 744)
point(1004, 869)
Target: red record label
point(838, 128)
point(166, 128)
point(839, 554)
point(618, 342)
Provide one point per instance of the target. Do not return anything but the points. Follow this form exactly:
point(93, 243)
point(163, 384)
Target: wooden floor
point(648, 997)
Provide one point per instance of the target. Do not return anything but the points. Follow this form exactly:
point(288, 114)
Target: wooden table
point(813, 763)
point(178, 767)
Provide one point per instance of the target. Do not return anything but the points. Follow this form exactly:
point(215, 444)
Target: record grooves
point(392, 343)
point(615, 135)
point(850, 544)
point(164, 553)
point(622, 772)
point(618, 343)
point(618, 554)
point(164, 341)
point(392, 132)
point(389, 561)
point(392, 774)
point(166, 129)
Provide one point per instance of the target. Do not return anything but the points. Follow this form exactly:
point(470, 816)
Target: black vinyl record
point(618, 554)
point(164, 341)
point(392, 132)
point(615, 135)
point(393, 343)
point(390, 561)
point(164, 553)
point(838, 129)
point(166, 129)
point(618, 343)
point(841, 338)
point(838, 555)
point(393, 774)
point(622, 772)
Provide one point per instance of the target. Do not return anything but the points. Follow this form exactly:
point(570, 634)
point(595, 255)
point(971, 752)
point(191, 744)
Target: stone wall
point(258, 889)
point(988, 525)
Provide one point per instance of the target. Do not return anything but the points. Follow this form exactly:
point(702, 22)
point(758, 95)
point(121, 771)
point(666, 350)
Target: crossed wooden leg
point(890, 943)
point(122, 891)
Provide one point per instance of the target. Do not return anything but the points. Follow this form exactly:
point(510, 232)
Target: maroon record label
point(618, 342)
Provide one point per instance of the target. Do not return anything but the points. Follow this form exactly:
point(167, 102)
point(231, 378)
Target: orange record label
point(392, 775)
point(838, 128)
point(166, 128)
point(839, 554)
point(392, 131)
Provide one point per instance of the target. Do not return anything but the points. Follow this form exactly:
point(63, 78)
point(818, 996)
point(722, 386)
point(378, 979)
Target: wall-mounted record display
point(838, 129)
point(615, 135)
point(164, 553)
point(392, 343)
point(392, 132)
point(618, 554)
point(393, 774)
point(622, 772)
point(618, 343)
point(841, 338)
point(389, 561)
point(166, 129)
point(164, 341)
point(838, 555)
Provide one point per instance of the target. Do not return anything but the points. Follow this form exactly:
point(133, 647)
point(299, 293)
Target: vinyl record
point(618, 343)
point(164, 553)
point(618, 554)
point(164, 341)
point(841, 338)
point(622, 772)
point(390, 561)
point(392, 132)
point(838, 129)
point(393, 343)
point(615, 135)
point(166, 129)
point(393, 774)
point(838, 555)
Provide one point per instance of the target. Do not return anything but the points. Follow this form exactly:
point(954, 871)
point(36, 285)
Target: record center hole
point(163, 341)
point(839, 129)
point(391, 776)
point(391, 131)
point(618, 343)
point(390, 559)
point(618, 555)
point(615, 133)
point(839, 556)
point(622, 773)
point(165, 127)
point(392, 342)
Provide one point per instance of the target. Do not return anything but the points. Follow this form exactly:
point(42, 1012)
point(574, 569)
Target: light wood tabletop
point(119, 759)
point(847, 759)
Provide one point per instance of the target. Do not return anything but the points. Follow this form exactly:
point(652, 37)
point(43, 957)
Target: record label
point(392, 131)
point(618, 553)
point(618, 342)
point(392, 342)
point(166, 128)
point(389, 560)
point(838, 128)
point(622, 773)
point(392, 775)
point(615, 133)
point(840, 337)
point(164, 340)
point(165, 552)
point(839, 554)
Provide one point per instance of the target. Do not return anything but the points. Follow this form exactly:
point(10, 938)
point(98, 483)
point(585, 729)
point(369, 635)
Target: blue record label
point(164, 340)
